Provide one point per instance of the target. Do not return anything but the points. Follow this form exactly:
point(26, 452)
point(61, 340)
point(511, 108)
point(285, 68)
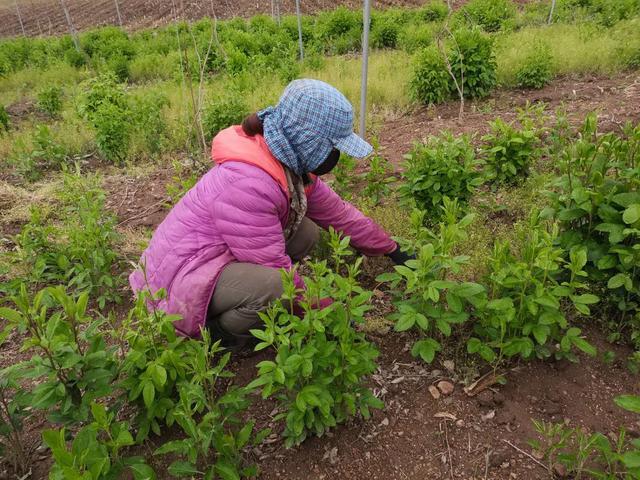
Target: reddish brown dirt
point(616, 100)
point(46, 17)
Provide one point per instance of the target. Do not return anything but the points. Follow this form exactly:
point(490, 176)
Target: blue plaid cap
point(311, 118)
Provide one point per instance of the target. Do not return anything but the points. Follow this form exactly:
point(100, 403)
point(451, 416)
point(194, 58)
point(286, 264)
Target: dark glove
point(399, 257)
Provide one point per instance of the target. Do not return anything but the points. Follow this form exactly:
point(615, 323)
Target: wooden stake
point(72, 29)
point(118, 12)
point(15, 2)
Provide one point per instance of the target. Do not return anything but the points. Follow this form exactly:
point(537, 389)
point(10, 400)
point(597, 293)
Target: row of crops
point(109, 382)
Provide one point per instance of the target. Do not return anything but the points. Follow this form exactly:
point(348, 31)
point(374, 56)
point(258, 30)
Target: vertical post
point(300, 30)
point(273, 9)
point(72, 29)
point(118, 12)
point(553, 6)
point(365, 67)
point(278, 11)
point(15, 2)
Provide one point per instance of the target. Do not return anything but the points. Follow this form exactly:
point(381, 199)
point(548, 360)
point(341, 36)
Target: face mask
point(329, 163)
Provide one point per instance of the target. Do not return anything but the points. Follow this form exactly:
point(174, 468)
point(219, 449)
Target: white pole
point(72, 29)
point(300, 30)
point(553, 6)
point(365, 67)
point(118, 12)
point(20, 18)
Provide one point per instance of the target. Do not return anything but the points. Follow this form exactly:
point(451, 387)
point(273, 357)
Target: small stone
point(485, 399)
point(498, 457)
point(449, 365)
point(537, 454)
point(435, 393)
point(488, 416)
point(460, 423)
point(559, 470)
point(384, 422)
point(445, 387)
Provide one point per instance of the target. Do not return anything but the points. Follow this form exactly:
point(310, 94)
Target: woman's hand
point(399, 257)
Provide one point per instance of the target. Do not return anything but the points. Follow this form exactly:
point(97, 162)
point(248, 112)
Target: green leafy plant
point(442, 167)
point(473, 62)
point(321, 364)
point(596, 199)
point(95, 450)
point(384, 33)
point(426, 296)
point(222, 113)
point(344, 176)
point(4, 119)
point(536, 71)
point(216, 434)
point(524, 315)
point(45, 152)
point(154, 364)
point(72, 362)
point(378, 176)
point(104, 104)
point(50, 100)
point(490, 14)
point(430, 82)
point(510, 151)
point(591, 455)
point(147, 115)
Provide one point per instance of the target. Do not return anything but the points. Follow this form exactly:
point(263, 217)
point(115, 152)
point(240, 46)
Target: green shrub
point(95, 450)
point(147, 116)
point(79, 251)
point(119, 65)
point(215, 432)
point(4, 119)
point(322, 362)
point(50, 100)
point(44, 153)
point(433, 11)
point(384, 34)
point(426, 297)
point(610, 12)
point(75, 58)
point(443, 167)
point(430, 81)
point(524, 315)
point(489, 14)
point(473, 62)
point(510, 151)
point(104, 104)
point(415, 37)
point(222, 113)
point(536, 70)
point(597, 202)
point(71, 361)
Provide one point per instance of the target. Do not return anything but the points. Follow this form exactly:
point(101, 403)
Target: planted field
point(506, 166)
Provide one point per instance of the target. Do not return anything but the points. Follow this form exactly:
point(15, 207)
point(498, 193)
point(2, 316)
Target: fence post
point(365, 66)
point(24, 34)
point(553, 6)
point(300, 30)
point(118, 12)
point(72, 29)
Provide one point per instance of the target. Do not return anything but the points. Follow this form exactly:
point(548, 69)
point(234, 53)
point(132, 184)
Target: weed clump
point(50, 100)
point(536, 72)
point(491, 15)
point(223, 112)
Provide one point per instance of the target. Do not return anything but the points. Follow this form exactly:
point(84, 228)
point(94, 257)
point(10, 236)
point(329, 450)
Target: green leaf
point(628, 402)
point(148, 394)
point(244, 434)
point(631, 214)
point(631, 459)
point(406, 321)
point(227, 471)
point(12, 315)
point(619, 280)
point(585, 346)
point(473, 345)
point(586, 299)
point(278, 375)
point(426, 349)
point(182, 469)
point(541, 333)
point(142, 471)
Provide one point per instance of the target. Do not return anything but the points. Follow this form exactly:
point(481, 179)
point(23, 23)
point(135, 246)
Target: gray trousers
point(245, 289)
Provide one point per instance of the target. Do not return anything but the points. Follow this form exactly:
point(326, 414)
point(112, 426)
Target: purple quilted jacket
point(236, 213)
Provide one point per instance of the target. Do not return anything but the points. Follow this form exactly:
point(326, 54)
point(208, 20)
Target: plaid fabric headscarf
point(310, 119)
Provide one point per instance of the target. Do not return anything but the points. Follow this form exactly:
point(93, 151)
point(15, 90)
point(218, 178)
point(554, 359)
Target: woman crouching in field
point(218, 252)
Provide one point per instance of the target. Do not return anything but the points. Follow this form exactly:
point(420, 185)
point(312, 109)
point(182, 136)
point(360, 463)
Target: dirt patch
point(138, 200)
point(616, 100)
